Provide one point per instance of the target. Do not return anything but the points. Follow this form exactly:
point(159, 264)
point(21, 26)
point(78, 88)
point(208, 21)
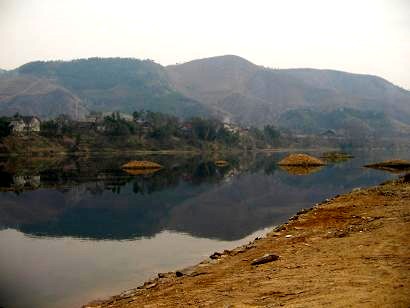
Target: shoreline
point(195, 151)
point(48, 155)
point(356, 243)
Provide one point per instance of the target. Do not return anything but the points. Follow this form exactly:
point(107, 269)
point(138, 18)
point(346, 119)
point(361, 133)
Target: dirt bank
point(352, 250)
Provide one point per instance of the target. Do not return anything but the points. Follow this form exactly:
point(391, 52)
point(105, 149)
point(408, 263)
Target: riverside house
point(25, 125)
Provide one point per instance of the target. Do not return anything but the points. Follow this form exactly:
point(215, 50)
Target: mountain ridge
point(227, 87)
point(288, 88)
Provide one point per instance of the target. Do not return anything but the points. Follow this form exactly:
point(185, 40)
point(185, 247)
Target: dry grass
point(141, 164)
point(301, 160)
point(221, 163)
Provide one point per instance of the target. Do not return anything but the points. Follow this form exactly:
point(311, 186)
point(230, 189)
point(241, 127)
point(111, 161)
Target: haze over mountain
point(253, 94)
point(47, 89)
point(228, 87)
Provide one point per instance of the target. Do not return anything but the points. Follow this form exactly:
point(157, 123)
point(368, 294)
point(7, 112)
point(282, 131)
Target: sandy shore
point(350, 251)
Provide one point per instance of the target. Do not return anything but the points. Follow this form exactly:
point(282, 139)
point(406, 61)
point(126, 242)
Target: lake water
point(77, 229)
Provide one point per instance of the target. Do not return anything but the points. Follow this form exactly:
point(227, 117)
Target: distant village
point(25, 125)
point(157, 130)
point(96, 121)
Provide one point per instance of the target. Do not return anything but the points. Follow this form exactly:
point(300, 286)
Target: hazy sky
point(363, 36)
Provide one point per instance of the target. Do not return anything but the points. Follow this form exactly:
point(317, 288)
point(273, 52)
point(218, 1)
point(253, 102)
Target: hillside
point(343, 121)
point(36, 95)
point(227, 87)
point(48, 89)
point(256, 95)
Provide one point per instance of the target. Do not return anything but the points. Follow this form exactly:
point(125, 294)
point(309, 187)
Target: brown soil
point(350, 251)
point(301, 160)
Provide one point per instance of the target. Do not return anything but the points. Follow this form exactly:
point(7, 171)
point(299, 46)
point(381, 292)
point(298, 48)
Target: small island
point(395, 165)
point(301, 160)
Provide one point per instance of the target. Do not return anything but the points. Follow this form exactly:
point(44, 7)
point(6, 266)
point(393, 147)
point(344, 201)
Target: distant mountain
point(343, 121)
point(49, 88)
point(256, 95)
point(227, 87)
point(34, 95)
point(2, 71)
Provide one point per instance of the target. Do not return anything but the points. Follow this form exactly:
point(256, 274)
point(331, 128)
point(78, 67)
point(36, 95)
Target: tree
point(271, 134)
point(204, 129)
point(115, 126)
point(49, 128)
point(5, 129)
point(227, 137)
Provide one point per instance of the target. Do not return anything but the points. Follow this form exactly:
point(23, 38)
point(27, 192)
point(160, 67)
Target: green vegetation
point(395, 165)
point(336, 157)
point(99, 73)
point(303, 101)
point(346, 121)
point(143, 131)
point(117, 84)
point(4, 127)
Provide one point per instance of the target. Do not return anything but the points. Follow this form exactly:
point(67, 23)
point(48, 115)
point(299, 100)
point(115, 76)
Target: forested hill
point(48, 89)
point(226, 87)
point(250, 93)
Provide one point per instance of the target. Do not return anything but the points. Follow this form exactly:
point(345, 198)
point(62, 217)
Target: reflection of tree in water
point(191, 171)
point(205, 172)
point(146, 185)
point(105, 175)
point(79, 202)
point(106, 172)
point(6, 179)
point(267, 163)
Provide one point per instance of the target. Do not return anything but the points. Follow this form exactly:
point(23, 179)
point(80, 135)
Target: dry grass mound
point(141, 165)
point(221, 163)
point(394, 165)
point(301, 160)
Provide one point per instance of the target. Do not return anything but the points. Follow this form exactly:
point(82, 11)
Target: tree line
point(156, 126)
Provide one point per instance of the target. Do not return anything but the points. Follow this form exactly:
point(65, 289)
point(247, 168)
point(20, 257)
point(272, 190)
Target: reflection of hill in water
point(190, 195)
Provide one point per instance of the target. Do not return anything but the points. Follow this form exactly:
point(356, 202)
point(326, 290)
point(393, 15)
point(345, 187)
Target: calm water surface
point(73, 230)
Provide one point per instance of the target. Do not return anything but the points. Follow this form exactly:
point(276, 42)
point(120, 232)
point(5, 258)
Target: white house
point(23, 125)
